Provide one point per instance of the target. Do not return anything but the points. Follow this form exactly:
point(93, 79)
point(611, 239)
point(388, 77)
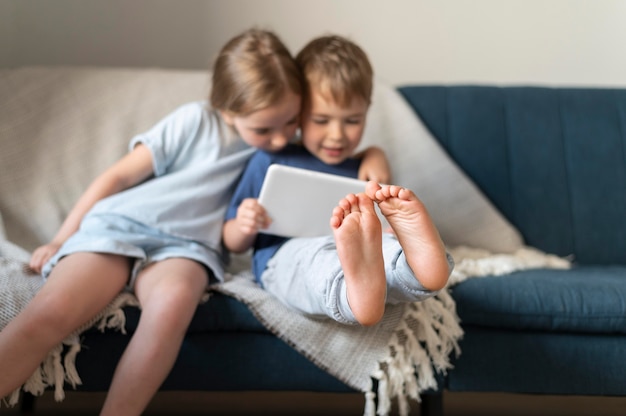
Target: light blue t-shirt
point(197, 162)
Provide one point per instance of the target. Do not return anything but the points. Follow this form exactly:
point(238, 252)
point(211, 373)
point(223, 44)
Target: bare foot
point(424, 251)
point(358, 236)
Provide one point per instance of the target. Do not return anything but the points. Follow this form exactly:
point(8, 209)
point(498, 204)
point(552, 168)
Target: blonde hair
point(337, 68)
point(253, 70)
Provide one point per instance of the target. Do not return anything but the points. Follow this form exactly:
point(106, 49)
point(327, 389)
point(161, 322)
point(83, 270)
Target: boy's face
point(330, 132)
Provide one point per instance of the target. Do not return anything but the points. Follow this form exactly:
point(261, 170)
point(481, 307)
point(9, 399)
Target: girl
point(152, 223)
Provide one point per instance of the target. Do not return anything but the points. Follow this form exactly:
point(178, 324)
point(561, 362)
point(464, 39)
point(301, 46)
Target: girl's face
point(271, 128)
point(332, 132)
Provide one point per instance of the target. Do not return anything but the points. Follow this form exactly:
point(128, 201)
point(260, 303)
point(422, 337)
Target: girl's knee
point(173, 305)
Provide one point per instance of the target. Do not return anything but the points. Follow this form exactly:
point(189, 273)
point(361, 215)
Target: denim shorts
point(115, 234)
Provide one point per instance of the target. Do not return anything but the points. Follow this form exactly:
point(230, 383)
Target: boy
point(350, 275)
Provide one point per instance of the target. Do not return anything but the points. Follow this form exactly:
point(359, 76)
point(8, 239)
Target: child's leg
point(423, 248)
point(169, 292)
point(358, 236)
point(79, 287)
point(306, 275)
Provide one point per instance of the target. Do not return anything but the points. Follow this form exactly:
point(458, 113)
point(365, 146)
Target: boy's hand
point(251, 217)
point(374, 166)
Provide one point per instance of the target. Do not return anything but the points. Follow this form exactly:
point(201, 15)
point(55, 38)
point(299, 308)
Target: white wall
point(7, 31)
point(549, 42)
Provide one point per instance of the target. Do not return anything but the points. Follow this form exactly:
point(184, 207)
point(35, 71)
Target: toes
point(371, 188)
point(353, 204)
point(338, 212)
point(365, 203)
point(347, 205)
point(395, 190)
point(337, 218)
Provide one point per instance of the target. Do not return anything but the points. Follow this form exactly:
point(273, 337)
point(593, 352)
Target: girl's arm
point(374, 166)
point(132, 169)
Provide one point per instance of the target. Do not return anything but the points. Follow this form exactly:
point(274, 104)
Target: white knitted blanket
point(403, 352)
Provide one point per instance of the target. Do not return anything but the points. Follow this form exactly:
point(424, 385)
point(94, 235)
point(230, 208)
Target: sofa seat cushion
point(584, 299)
point(219, 313)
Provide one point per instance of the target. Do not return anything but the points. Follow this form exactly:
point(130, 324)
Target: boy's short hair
point(337, 68)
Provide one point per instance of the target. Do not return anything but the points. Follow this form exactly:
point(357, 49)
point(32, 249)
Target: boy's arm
point(132, 169)
point(240, 232)
point(245, 216)
point(374, 165)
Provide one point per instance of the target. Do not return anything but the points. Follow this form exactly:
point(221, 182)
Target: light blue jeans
point(305, 273)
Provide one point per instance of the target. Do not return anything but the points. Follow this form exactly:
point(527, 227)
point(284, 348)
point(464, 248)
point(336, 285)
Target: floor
point(264, 403)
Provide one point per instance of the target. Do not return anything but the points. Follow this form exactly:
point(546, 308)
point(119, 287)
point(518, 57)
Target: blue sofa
point(552, 160)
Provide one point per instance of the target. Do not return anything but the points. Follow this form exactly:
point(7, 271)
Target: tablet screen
point(300, 201)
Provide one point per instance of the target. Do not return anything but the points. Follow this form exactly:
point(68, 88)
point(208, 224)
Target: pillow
point(461, 212)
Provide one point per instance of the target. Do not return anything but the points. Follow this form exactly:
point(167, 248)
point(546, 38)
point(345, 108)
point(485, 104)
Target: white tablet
point(300, 201)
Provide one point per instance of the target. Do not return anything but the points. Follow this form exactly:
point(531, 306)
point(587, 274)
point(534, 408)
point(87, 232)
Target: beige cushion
point(463, 215)
point(3, 233)
point(60, 127)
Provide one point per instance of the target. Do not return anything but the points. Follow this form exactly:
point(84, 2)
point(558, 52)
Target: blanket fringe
point(370, 404)
point(59, 365)
point(475, 262)
point(428, 333)
point(71, 374)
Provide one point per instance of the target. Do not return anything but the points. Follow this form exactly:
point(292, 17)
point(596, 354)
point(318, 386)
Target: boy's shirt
point(265, 245)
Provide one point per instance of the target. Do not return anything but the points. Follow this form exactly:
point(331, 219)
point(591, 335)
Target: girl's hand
point(251, 217)
point(41, 255)
point(374, 166)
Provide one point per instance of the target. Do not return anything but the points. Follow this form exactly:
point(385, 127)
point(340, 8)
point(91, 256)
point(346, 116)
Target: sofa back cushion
point(552, 160)
point(461, 212)
point(62, 126)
